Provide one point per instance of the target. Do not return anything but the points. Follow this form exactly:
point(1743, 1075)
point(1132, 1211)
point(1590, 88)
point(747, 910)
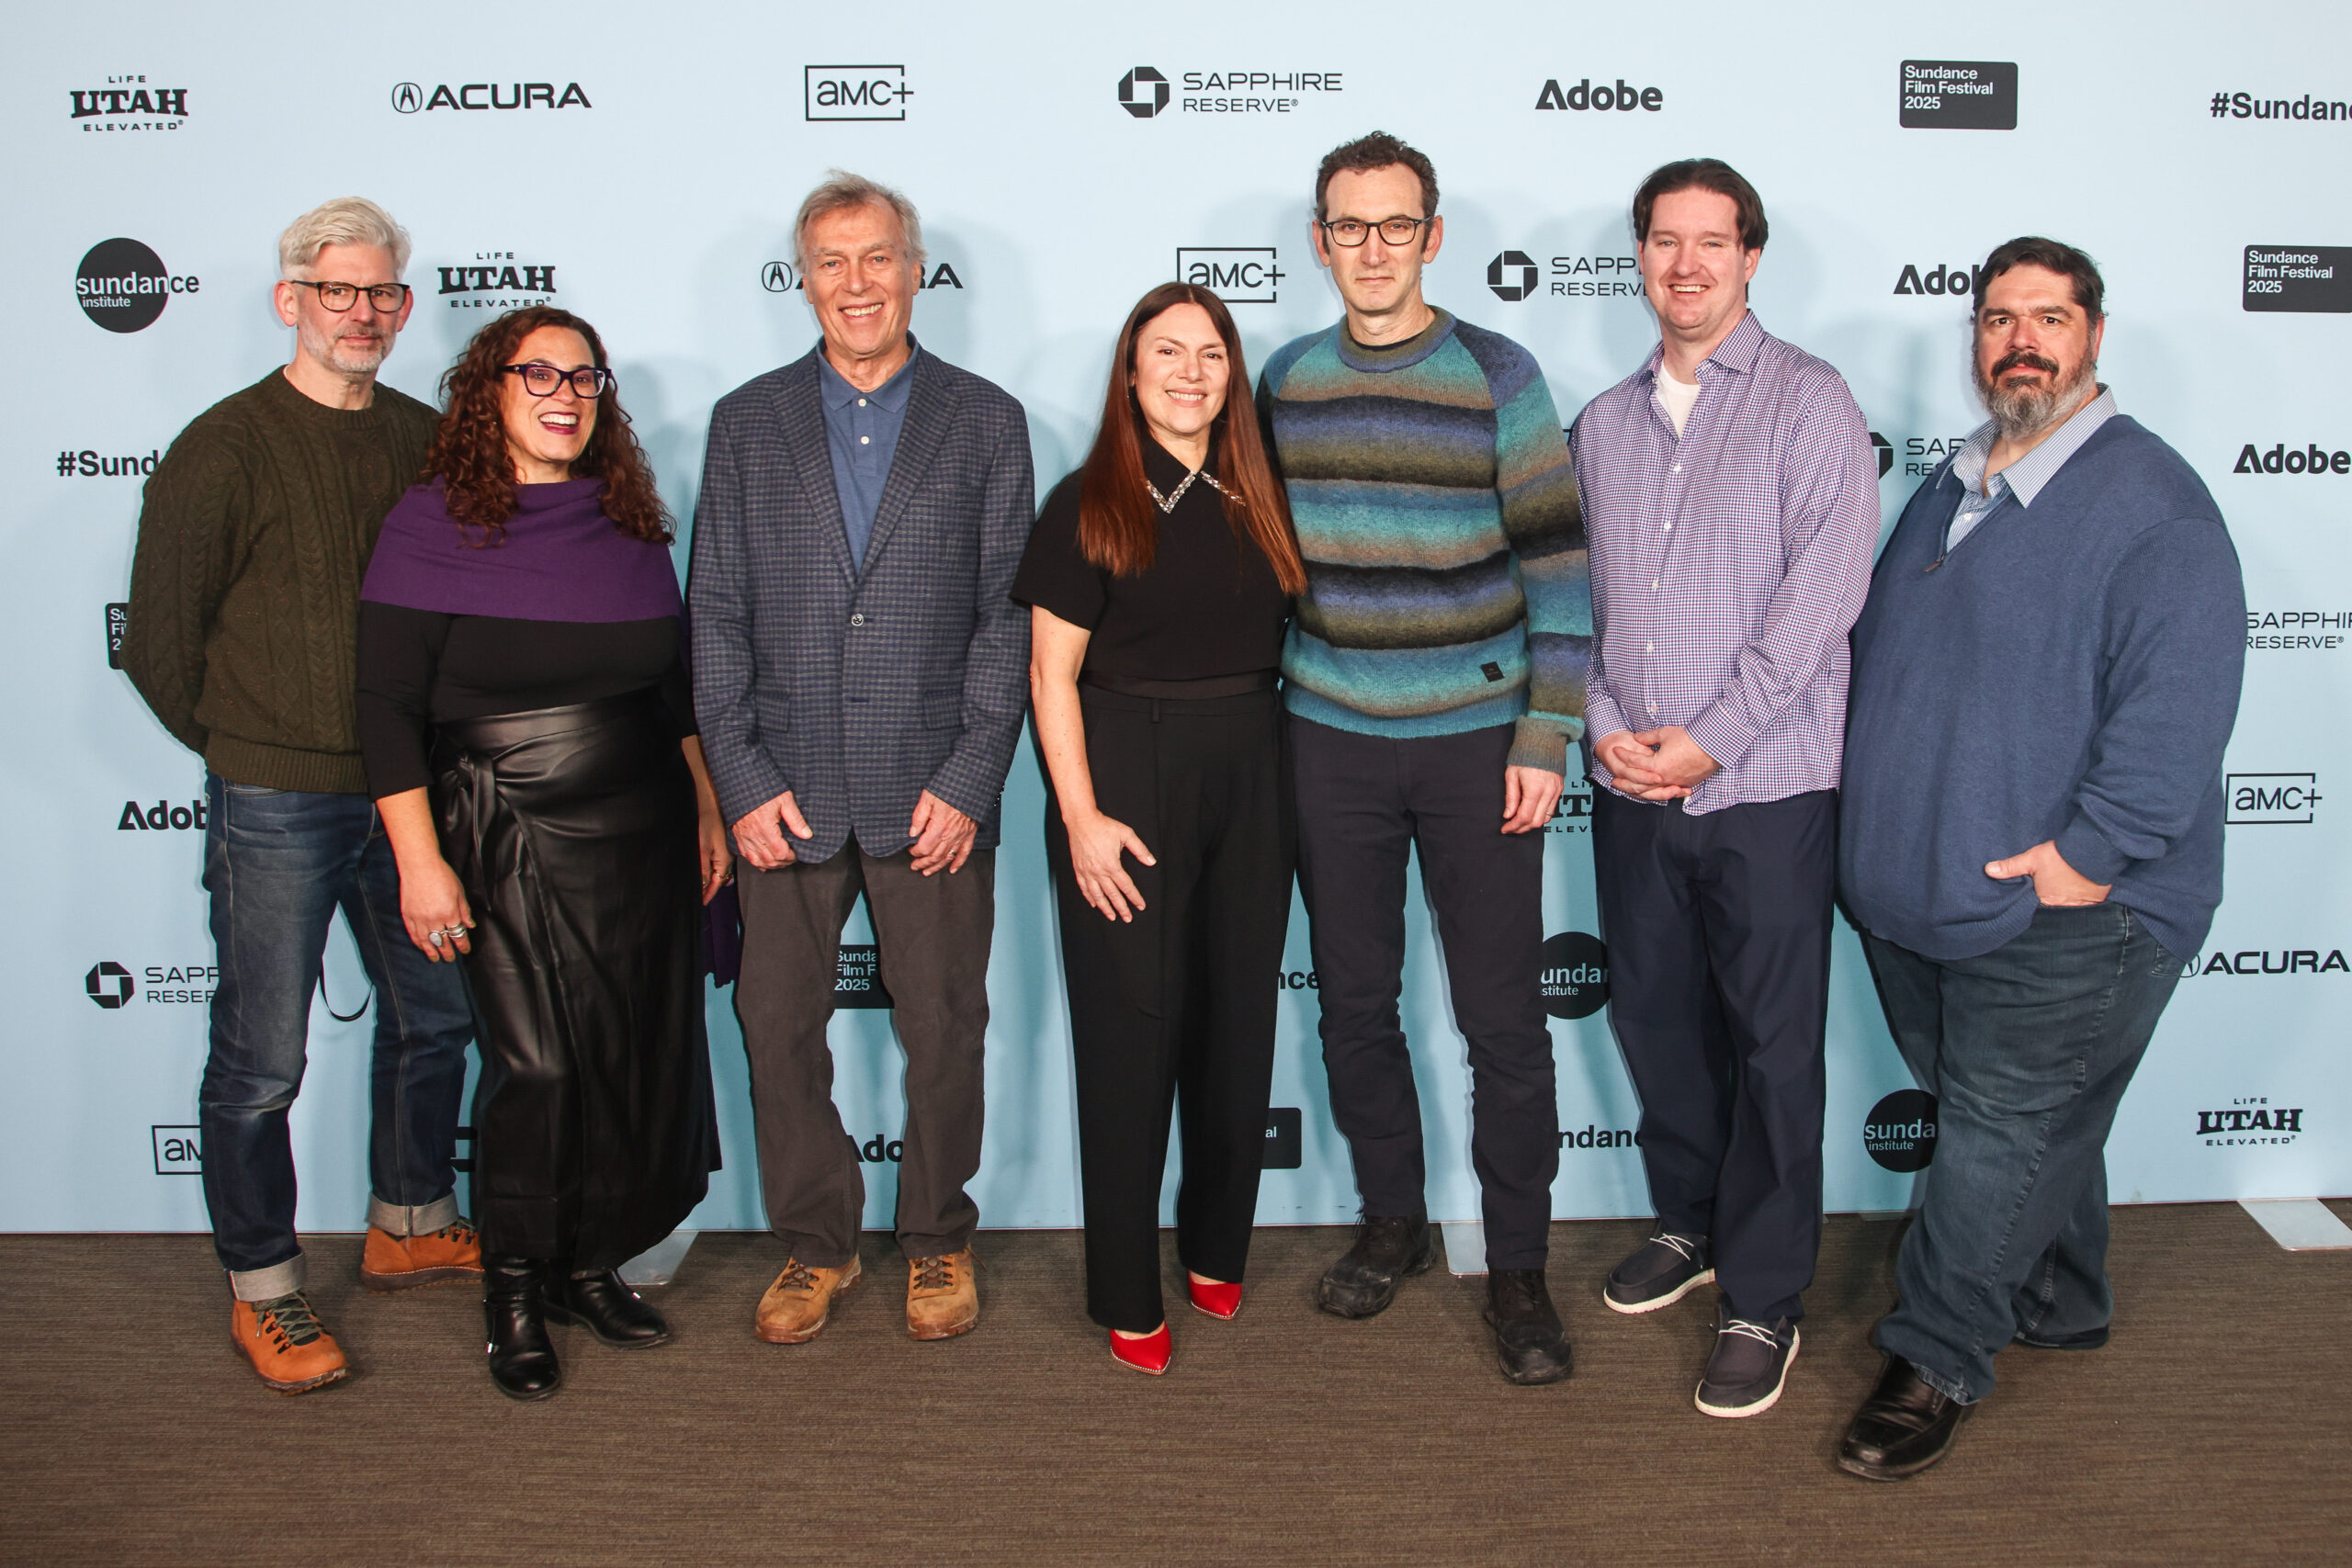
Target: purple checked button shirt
point(1729, 563)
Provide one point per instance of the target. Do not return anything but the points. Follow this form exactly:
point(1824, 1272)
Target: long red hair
point(1118, 524)
point(469, 450)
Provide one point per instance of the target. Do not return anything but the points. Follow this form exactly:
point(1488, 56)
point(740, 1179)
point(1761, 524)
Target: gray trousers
point(933, 933)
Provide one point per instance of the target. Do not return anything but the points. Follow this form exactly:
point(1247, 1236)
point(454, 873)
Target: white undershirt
point(1676, 398)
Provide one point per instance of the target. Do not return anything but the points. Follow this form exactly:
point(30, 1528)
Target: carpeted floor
point(2216, 1427)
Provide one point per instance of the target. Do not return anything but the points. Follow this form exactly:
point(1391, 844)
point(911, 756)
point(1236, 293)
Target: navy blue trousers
point(1718, 933)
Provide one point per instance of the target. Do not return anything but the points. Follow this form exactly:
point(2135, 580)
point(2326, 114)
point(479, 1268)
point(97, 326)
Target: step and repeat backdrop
point(640, 167)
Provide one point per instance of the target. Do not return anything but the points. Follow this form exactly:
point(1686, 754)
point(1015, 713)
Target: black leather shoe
point(522, 1362)
point(1902, 1428)
point(1529, 1341)
point(1363, 1281)
point(606, 1308)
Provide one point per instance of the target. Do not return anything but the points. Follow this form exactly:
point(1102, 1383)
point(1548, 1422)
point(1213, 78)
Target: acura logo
point(407, 97)
point(776, 277)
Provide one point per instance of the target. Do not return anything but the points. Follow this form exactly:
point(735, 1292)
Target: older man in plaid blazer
point(860, 674)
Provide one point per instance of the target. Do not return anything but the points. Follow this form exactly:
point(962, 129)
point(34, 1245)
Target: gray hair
point(842, 190)
point(345, 220)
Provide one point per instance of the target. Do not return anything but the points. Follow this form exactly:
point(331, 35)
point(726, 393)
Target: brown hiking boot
point(286, 1344)
point(797, 1305)
point(392, 1262)
point(943, 1300)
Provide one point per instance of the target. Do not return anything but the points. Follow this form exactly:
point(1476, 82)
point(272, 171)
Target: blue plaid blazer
point(859, 690)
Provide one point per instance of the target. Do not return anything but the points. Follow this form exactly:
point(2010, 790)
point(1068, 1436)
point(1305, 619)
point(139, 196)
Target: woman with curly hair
point(529, 732)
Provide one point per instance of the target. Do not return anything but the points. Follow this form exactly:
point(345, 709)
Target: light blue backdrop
point(659, 193)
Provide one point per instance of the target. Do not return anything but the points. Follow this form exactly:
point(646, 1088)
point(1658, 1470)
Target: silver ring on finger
point(436, 937)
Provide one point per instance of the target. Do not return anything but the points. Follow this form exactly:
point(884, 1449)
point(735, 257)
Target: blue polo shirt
point(862, 434)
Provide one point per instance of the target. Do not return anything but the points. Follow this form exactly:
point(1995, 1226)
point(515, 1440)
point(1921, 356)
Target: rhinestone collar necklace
point(1167, 503)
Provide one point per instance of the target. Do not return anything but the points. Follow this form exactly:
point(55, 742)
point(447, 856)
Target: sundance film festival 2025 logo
point(118, 628)
point(127, 103)
point(1900, 1132)
point(162, 817)
point(90, 464)
point(2308, 458)
point(2301, 279)
point(411, 98)
point(2296, 631)
point(1514, 276)
point(854, 92)
point(1239, 275)
point(1145, 92)
point(123, 286)
point(857, 978)
point(1958, 95)
point(1575, 978)
point(1623, 98)
point(495, 281)
point(2250, 1119)
point(113, 985)
point(783, 277)
point(2257, 800)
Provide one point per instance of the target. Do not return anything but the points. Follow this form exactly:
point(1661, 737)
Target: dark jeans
point(1173, 1009)
point(934, 933)
point(1718, 932)
point(1365, 803)
point(278, 863)
point(2028, 1050)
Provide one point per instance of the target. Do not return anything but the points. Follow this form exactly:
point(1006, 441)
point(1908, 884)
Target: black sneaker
point(1529, 1341)
point(1661, 1272)
point(1363, 1281)
point(1745, 1375)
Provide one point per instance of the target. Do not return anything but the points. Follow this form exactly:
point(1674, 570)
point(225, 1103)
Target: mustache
point(2023, 358)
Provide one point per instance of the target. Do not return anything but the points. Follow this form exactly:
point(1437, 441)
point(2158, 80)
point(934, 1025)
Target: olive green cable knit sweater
point(245, 591)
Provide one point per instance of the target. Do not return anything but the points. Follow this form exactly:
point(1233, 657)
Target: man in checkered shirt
point(1732, 500)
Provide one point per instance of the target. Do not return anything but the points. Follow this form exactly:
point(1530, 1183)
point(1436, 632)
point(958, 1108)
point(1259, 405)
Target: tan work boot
point(796, 1306)
point(392, 1262)
point(286, 1344)
point(943, 1300)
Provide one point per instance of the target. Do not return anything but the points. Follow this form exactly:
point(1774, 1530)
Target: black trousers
point(1718, 932)
point(1365, 803)
point(1176, 1007)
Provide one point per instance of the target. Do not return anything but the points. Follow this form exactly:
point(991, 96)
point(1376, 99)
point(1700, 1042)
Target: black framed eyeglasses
point(1355, 231)
point(340, 297)
point(541, 380)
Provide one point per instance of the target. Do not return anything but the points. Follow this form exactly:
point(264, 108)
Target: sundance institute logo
point(1900, 1132)
point(123, 286)
point(1575, 980)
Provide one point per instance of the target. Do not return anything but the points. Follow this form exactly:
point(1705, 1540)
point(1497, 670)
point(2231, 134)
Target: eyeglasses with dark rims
point(340, 297)
point(541, 380)
point(1355, 231)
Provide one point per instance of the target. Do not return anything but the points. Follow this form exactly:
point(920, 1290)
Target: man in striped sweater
point(1434, 677)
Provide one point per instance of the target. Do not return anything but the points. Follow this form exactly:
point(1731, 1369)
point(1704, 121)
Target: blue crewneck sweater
point(2069, 671)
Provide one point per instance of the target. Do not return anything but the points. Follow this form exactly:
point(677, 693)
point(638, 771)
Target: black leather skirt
point(572, 829)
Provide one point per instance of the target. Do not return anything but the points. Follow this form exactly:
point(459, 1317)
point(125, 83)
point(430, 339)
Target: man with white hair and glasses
point(245, 591)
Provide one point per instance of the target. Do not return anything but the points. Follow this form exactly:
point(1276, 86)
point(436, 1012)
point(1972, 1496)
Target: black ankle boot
point(522, 1362)
point(597, 1301)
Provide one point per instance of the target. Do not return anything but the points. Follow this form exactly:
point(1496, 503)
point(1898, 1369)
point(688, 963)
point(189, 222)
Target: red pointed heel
point(1217, 1299)
point(1149, 1354)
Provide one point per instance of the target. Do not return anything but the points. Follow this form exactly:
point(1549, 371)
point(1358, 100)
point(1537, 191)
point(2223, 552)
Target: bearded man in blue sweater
point(2045, 675)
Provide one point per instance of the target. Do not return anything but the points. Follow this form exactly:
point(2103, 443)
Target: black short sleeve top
point(1209, 604)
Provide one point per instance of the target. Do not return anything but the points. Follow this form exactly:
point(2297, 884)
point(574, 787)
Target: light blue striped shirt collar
point(2024, 477)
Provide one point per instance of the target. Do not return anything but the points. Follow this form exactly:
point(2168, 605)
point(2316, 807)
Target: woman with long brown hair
point(529, 732)
point(1158, 580)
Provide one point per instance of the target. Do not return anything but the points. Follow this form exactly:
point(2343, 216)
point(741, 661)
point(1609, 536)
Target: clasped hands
point(1659, 764)
point(943, 835)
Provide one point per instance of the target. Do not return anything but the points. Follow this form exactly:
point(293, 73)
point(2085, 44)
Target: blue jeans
point(278, 863)
point(2027, 1051)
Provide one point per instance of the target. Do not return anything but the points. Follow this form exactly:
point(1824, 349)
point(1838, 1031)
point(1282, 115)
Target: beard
point(346, 355)
point(2028, 411)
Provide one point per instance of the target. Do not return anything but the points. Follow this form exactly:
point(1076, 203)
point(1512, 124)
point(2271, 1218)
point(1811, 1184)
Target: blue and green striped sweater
point(1446, 581)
